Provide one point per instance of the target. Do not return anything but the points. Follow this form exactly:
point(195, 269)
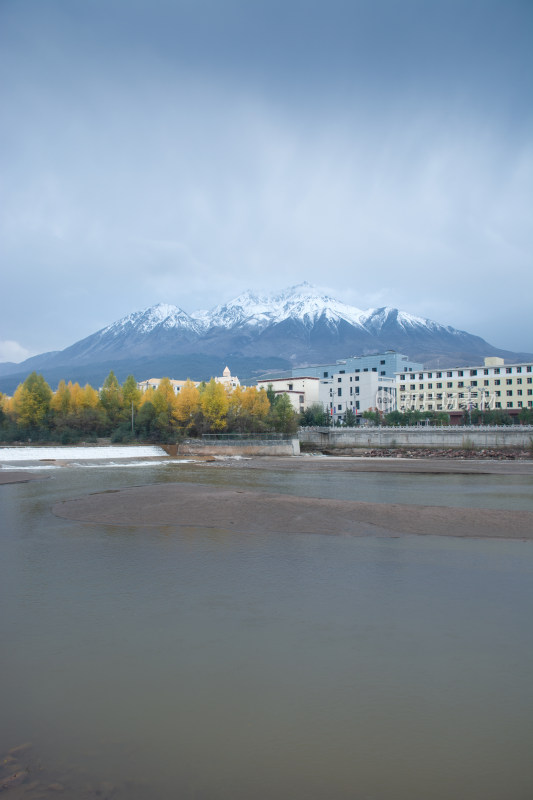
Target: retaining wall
point(454, 436)
point(250, 447)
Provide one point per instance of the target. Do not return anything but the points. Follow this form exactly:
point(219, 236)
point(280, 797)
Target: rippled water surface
point(170, 663)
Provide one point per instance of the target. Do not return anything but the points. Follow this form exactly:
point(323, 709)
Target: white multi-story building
point(385, 364)
point(302, 392)
point(341, 392)
point(495, 385)
point(356, 383)
point(356, 392)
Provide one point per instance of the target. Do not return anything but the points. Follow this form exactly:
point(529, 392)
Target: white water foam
point(32, 468)
point(127, 464)
point(16, 454)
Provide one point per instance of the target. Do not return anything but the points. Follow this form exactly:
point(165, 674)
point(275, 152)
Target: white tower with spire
point(228, 380)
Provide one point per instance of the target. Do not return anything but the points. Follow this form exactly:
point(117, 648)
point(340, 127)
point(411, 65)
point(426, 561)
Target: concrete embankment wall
point(485, 436)
point(248, 448)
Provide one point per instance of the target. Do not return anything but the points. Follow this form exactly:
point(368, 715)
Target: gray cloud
point(185, 152)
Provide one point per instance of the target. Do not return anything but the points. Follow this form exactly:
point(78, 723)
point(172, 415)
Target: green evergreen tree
point(271, 395)
point(283, 417)
point(314, 416)
point(350, 419)
point(111, 400)
point(372, 416)
point(131, 395)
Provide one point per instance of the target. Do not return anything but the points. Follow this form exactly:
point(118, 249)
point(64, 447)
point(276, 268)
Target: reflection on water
point(200, 664)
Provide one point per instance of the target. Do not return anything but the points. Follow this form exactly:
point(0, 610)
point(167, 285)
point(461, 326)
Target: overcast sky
point(183, 151)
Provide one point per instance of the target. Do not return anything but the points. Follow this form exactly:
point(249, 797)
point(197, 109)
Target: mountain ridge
point(298, 326)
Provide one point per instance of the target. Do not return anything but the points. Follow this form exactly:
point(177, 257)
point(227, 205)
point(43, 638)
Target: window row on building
point(495, 385)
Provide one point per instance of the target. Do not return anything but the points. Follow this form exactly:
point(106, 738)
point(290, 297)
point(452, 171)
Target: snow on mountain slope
point(247, 308)
point(161, 315)
point(375, 319)
point(308, 304)
point(379, 320)
point(303, 303)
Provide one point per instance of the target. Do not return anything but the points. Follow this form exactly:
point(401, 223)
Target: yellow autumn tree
point(88, 396)
point(214, 404)
point(187, 403)
point(61, 403)
point(76, 397)
point(147, 396)
point(31, 401)
point(6, 406)
point(164, 398)
point(256, 405)
point(87, 413)
point(234, 417)
point(163, 401)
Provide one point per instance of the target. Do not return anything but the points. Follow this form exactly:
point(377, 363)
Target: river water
point(188, 663)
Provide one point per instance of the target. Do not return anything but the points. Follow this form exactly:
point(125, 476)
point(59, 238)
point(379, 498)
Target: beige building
point(302, 392)
point(495, 385)
point(153, 383)
point(226, 379)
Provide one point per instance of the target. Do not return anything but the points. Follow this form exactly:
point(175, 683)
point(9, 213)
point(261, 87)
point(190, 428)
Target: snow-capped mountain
point(298, 326)
point(303, 303)
point(162, 314)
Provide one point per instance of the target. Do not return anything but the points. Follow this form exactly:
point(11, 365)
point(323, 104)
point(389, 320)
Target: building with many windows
point(357, 384)
point(495, 385)
point(339, 393)
point(356, 392)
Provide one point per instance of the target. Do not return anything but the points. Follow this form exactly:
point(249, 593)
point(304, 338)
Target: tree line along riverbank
point(124, 413)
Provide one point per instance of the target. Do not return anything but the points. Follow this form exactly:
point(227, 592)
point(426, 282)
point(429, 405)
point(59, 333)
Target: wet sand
point(19, 477)
point(434, 466)
point(195, 505)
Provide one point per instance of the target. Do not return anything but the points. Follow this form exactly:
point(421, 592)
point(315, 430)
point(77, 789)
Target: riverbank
point(470, 453)
point(455, 437)
point(343, 463)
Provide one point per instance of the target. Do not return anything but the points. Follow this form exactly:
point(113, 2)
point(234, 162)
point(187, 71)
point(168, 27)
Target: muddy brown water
point(179, 661)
